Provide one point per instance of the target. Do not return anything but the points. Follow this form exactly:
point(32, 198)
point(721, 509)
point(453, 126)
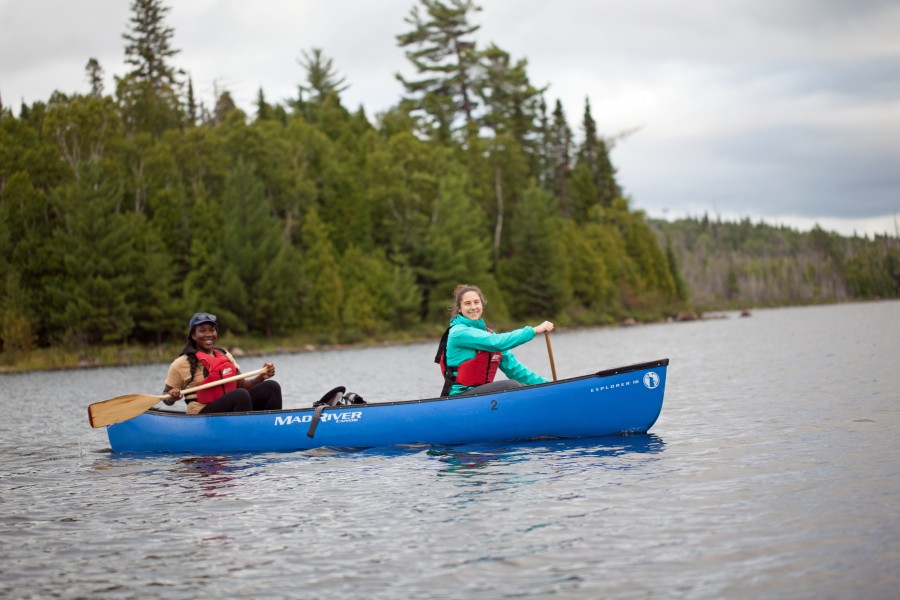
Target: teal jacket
point(466, 336)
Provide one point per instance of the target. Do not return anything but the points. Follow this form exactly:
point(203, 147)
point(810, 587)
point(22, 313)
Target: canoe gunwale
point(664, 362)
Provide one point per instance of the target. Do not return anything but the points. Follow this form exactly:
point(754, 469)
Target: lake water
point(772, 472)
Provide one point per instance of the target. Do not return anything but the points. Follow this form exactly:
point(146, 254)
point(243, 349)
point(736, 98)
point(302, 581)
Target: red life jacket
point(216, 366)
point(480, 369)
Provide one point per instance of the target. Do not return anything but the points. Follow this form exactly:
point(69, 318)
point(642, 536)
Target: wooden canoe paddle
point(122, 408)
point(550, 352)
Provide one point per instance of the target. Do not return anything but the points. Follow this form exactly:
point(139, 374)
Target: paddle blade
point(122, 408)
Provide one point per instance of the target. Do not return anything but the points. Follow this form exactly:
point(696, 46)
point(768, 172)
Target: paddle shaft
point(122, 408)
point(550, 352)
point(218, 382)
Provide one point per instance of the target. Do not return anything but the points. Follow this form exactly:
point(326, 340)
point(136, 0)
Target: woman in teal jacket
point(473, 354)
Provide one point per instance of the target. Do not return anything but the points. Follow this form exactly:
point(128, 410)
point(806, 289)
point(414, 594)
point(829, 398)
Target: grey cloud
point(876, 79)
point(813, 170)
point(757, 107)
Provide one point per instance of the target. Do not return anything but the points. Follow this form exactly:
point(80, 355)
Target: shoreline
point(59, 359)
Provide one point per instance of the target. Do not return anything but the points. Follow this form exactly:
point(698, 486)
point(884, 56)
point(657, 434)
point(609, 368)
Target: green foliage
point(556, 163)
point(88, 283)
point(592, 282)
point(873, 269)
point(593, 157)
point(153, 295)
point(445, 57)
point(15, 324)
point(121, 215)
point(400, 180)
point(378, 297)
point(654, 277)
point(324, 297)
point(322, 79)
point(149, 49)
point(250, 242)
point(511, 103)
point(681, 289)
point(508, 173)
point(742, 264)
point(278, 292)
point(535, 275)
point(149, 92)
point(84, 129)
point(204, 259)
point(456, 249)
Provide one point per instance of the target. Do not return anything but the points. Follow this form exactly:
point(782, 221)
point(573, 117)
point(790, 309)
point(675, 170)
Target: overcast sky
point(786, 111)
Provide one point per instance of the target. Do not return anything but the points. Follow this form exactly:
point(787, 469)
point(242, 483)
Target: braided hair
point(190, 349)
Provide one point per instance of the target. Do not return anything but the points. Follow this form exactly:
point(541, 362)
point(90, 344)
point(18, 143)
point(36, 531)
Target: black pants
point(265, 395)
point(494, 386)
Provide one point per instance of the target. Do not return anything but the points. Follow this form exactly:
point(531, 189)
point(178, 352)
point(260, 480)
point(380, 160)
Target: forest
point(739, 265)
point(122, 212)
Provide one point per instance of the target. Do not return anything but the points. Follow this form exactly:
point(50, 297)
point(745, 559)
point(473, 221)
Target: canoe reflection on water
point(213, 474)
point(610, 452)
point(487, 467)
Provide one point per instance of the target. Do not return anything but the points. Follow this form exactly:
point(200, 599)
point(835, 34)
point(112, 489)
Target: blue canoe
point(623, 400)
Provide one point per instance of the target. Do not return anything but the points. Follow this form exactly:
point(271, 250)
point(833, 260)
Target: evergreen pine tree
point(324, 298)
point(400, 182)
point(653, 281)
point(27, 224)
point(535, 277)
point(16, 330)
point(401, 297)
point(93, 250)
point(157, 310)
point(95, 77)
point(362, 279)
point(446, 58)
point(594, 155)
point(264, 111)
point(560, 148)
point(149, 92)
point(224, 107)
point(192, 115)
point(149, 49)
point(511, 102)
point(583, 194)
point(592, 283)
point(205, 261)
point(321, 76)
point(456, 246)
point(251, 241)
point(278, 292)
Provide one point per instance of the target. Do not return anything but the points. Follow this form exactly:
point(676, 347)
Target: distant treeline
point(123, 213)
point(742, 264)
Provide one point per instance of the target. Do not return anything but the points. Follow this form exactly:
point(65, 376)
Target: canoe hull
point(624, 400)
